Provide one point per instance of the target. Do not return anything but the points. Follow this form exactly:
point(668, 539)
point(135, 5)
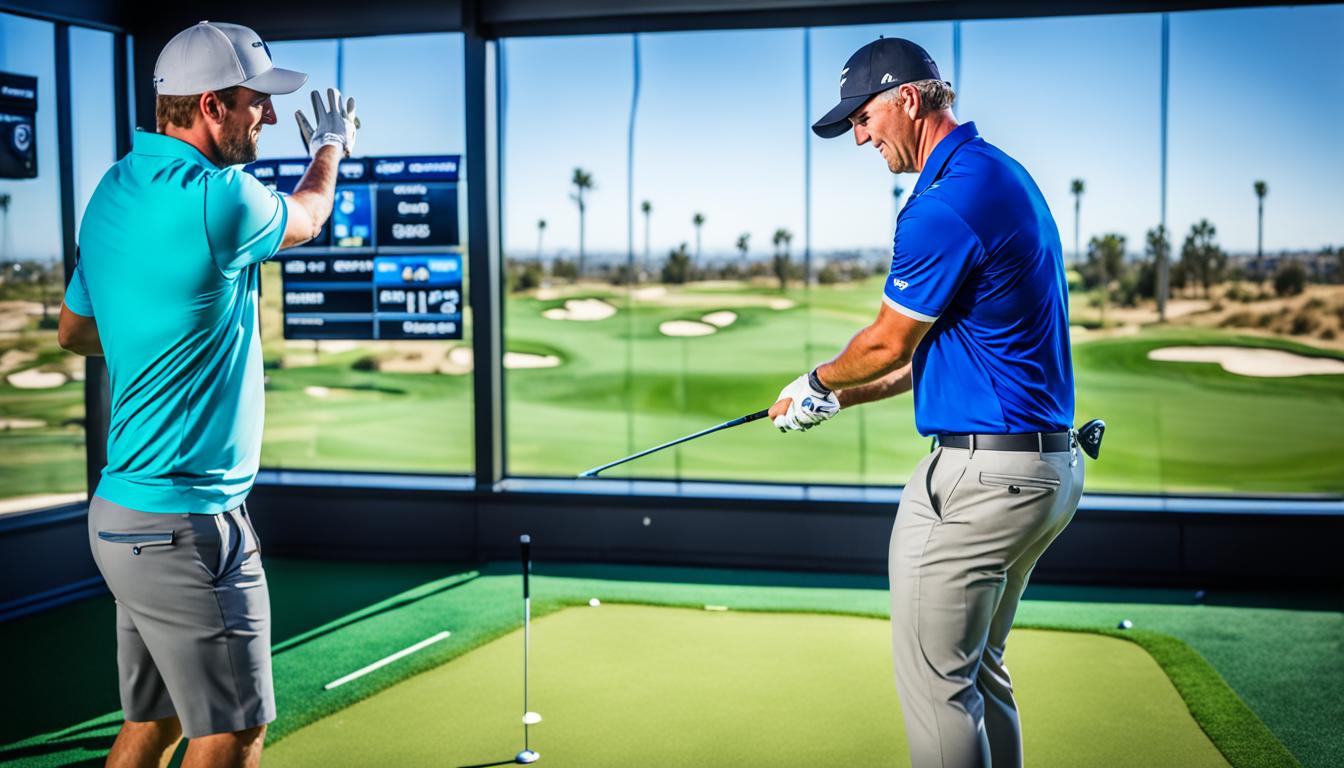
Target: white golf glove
point(336, 124)
point(811, 405)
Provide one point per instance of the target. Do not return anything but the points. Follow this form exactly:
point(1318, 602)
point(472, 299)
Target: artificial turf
point(666, 687)
point(1296, 692)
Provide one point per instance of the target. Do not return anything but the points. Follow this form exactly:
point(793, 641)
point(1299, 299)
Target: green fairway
point(623, 386)
point(625, 685)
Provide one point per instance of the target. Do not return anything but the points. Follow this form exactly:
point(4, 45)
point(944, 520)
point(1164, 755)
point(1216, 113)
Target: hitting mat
point(622, 685)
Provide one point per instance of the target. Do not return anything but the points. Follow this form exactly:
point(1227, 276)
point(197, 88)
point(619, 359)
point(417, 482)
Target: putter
point(529, 717)
point(725, 425)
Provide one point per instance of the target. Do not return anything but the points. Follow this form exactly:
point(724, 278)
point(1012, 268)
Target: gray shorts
point(193, 616)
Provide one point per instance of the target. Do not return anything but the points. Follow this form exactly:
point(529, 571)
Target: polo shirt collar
point(933, 167)
point(161, 145)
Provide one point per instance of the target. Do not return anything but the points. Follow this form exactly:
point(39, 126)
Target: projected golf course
point(594, 373)
point(616, 382)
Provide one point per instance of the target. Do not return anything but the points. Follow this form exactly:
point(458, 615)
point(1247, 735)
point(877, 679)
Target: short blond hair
point(181, 110)
point(934, 95)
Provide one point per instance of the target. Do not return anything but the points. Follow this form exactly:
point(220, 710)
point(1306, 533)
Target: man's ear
point(212, 107)
point(911, 102)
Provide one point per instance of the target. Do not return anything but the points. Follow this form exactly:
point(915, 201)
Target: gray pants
point(193, 616)
point(969, 530)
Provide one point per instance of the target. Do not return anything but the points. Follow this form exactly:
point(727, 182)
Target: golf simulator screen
point(388, 263)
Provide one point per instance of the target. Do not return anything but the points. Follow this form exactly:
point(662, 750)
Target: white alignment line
point(383, 662)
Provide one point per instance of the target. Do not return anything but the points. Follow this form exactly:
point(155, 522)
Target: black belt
point(1043, 442)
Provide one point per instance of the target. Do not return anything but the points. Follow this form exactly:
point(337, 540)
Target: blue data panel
point(376, 297)
point(387, 264)
point(419, 297)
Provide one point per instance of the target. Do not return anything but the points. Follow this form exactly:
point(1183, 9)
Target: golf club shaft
point(725, 425)
point(525, 544)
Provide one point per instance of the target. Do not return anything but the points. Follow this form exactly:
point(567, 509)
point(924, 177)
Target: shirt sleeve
point(933, 253)
point(244, 220)
point(77, 293)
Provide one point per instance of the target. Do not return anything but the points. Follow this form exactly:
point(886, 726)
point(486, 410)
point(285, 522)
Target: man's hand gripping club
point(803, 404)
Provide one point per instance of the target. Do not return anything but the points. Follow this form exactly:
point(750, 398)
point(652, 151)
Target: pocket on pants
point(1016, 483)
point(138, 542)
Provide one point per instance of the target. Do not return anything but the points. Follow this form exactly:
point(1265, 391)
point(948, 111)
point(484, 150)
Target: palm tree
point(699, 221)
point(781, 240)
point(646, 208)
point(1159, 249)
point(896, 193)
point(1076, 187)
point(743, 243)
point(541, 231)
point(1106, 258)
point(1201, 257)
point(582, 181)
point(1261, 189)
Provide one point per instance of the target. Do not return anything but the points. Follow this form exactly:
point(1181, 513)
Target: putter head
point(1089, 437)
point(589, 473)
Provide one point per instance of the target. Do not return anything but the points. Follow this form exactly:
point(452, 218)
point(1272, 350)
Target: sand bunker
point(1250, 361)
point(21, 424)
point(461, 359)
point(33, 379)
point(686, 328)
point(585, 310)
point(721, 319)
point(778, 304)
point(14, 358)
point(317, 391)
point(650, 293)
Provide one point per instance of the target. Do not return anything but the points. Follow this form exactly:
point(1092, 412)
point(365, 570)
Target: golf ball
point(531, 718)
point(594, 602)
point(1125, 624)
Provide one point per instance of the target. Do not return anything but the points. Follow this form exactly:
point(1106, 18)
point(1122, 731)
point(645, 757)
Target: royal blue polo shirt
point(977, 254)
point(170, 247)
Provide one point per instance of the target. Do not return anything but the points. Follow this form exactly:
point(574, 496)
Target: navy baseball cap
point(884, 63)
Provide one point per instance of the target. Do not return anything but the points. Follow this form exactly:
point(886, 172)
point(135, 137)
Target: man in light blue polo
point(974, 319)
point(166, 289)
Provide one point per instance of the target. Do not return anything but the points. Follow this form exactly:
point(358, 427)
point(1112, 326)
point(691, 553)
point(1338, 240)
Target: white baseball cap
point(212, 56)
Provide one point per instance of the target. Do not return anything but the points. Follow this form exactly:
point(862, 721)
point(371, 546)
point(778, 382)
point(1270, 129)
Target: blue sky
point(721, 125)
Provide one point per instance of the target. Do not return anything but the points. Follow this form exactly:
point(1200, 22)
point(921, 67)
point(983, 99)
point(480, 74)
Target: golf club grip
point(525, 545)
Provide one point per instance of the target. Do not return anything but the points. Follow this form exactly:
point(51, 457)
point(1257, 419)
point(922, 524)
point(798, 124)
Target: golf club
point(529, 717)
point(725, 425)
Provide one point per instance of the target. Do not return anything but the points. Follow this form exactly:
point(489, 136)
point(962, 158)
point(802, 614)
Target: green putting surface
point(334, 618)
point(622, 685)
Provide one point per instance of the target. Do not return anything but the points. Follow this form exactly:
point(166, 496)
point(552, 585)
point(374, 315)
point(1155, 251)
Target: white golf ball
point(531, 718)
point(594, 602)
point(1126, 624)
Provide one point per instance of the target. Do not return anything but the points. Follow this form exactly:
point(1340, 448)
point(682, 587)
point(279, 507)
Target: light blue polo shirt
point(977, 254)
point(170, 247)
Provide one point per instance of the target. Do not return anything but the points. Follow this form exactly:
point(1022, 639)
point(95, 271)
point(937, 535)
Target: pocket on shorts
point(1017, 483)
point(138, 542)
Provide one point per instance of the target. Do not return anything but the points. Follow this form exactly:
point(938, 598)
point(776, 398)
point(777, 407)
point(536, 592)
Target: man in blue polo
point(974, 319)
point(166, 289)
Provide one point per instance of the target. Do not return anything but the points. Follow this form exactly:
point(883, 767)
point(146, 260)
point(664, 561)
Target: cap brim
point(276, 81)
point(836, 122)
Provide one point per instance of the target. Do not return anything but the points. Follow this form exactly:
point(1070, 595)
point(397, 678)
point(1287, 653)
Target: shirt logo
point(899, 283)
